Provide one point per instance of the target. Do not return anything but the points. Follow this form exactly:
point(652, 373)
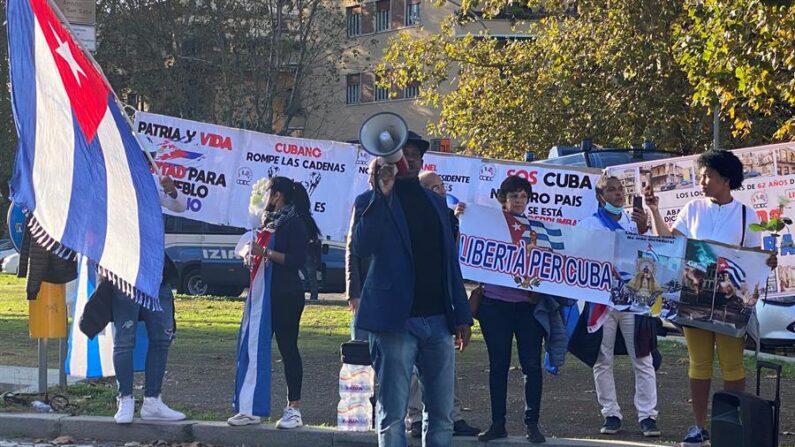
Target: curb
point(100, 428)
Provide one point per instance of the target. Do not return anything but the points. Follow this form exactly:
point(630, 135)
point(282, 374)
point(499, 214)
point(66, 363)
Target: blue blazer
point(380, 231)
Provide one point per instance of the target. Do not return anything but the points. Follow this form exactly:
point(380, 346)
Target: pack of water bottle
point(355, 412)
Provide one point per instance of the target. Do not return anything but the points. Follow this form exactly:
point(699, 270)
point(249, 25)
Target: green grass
point(209, 325)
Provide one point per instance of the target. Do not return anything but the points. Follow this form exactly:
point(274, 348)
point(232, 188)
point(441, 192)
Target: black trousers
point(286, 310)
point(500, 322)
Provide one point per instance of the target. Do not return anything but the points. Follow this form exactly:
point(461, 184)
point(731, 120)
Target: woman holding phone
point(716, 217)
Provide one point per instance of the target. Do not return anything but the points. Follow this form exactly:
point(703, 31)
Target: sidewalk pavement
point(219, 433)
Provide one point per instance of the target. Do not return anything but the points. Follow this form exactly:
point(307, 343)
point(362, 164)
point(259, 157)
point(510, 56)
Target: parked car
point(205, 257)
point(11, 264)
point(776, 317)
point(6, 249)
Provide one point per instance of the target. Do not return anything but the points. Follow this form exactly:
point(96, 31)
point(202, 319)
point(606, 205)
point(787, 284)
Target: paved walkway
point(104, 429)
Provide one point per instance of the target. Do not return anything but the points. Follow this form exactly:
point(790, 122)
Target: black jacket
point(38, 265)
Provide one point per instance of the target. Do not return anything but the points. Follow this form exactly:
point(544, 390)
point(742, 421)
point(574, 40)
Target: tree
point(604, 70)
point(258, 64)
point(739, 54)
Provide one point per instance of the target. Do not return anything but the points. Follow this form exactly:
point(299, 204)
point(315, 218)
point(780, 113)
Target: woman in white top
point(716, 217)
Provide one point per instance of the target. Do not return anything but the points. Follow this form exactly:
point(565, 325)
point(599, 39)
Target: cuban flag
point(650, 253)
point(79, 172)
point(93, 358)
point(253, 372)
point(531, 231)
point(735, 272)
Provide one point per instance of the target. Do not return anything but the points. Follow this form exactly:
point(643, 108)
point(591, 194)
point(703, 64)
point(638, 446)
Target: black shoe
point(416, 430)
point(534, 435)
point(649, 428)
point(461, 428)
point(611, 426)
point(494, 432)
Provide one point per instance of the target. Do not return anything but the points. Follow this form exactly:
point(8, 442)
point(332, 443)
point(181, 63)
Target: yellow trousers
point(701, 346)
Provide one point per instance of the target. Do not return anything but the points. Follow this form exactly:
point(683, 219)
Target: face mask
point(269, 205)
point(613, 209)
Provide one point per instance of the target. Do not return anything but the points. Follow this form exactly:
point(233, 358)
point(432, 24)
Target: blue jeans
point(427, 343)
point(159, 328)
point(500, 322)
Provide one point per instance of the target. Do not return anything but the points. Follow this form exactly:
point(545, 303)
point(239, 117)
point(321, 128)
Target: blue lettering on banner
point(194, 204)
point(547, 266)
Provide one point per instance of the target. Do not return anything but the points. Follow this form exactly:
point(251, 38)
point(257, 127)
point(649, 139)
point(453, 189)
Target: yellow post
point(48, 312)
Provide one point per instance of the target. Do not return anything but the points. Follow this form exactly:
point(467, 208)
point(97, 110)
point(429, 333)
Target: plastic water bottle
point(356, 384)
point(41, 406)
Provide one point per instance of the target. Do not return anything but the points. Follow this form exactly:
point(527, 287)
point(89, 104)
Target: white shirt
point(705, 220)
point(593, 222)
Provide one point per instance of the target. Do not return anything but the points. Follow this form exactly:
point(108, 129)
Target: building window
point(413, 13)
point(353, 91)
point(412, 90)
point(354, 15)
point(381, 93)
point(382, 16)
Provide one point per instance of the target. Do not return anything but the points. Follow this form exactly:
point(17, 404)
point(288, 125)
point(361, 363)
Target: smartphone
point(637, 202)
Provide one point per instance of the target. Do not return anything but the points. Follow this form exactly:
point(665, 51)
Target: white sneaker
point(124, 415)
point(154, 409)
point(291, 418)
point(243, 419)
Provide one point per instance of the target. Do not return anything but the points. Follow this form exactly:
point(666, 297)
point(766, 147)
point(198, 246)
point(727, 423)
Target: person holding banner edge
point(413, 299)
point(507, 312)
point(605, 323)
point(717, 217)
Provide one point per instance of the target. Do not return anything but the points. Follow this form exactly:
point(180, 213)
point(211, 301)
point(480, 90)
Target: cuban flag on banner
point(79, 171)
point(735, 272)
point(533, 231)
point(93, 358)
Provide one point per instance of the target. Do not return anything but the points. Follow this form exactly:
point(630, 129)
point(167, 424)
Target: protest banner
point(561, 194)
point(768, 188)
point(216, 167)
point(503, 249)
point(720, 287)
point(696, 283)
point(325, 168)
point(201, 158)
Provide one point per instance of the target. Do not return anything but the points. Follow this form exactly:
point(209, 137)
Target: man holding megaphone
point(413, 299)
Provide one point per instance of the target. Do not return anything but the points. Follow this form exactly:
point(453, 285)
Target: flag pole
point(97, 67)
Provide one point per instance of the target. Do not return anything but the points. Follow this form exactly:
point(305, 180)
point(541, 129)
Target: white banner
point(216, 166)
point(498, 248)
point(769, 181)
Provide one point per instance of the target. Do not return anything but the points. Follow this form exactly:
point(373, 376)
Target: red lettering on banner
point(216, 141)
point(530, 176)
point(294, 149)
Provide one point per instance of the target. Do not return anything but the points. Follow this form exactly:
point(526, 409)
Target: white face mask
point(613, 209)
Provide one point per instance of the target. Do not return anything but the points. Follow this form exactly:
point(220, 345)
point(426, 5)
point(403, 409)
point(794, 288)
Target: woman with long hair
point(276, 256)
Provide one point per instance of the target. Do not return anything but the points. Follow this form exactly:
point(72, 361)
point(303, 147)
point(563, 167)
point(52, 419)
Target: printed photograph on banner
point(720, 287)
point(756, 163)
point(646, 270)
point(785, 161)
point(669, 175)
point(629, 181)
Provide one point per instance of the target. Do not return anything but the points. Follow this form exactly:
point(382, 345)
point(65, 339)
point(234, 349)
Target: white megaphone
point(384, 135)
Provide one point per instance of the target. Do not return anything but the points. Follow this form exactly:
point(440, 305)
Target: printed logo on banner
point(487, 172)
point(790, 193)
point(273, 171)
point(168, 151)
point(759, 200)
point(363, 158)
point(244, 176)
point(311, 184)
